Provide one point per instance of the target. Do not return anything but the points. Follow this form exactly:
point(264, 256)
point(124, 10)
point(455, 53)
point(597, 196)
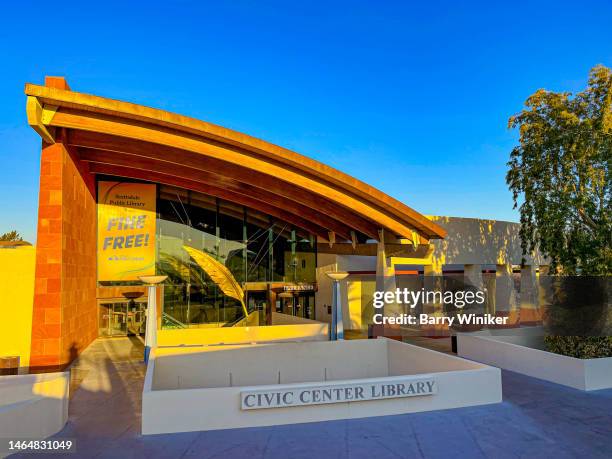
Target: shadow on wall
point(33, 405)
point(70, 355)
point(478, 241)
point(73, 352)
point(105, 399)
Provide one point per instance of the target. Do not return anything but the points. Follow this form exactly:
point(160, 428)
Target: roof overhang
point(135, 141)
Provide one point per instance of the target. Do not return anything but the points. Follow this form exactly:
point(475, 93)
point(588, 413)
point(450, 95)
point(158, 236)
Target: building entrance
point(297, 300)
point(299, 304)
point(122, 318)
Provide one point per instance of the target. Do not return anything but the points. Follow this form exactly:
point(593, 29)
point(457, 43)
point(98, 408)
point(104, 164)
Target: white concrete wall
point(412, 360)
point(217, 366)
point(33, 406)
point(323, 295)
point(598, 373)
point(196, 409)
point(469, 241)
point(479, 241)
point(525, 354)
point(476, 243)
point(287, 319)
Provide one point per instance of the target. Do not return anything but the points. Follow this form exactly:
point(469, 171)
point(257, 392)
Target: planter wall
point(203, 389)
point(33, 406)
point(526, 355)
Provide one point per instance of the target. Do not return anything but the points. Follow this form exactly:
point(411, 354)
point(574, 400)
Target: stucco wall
point(287, 319)
point(526, 354)
point(266, 363)
point(33, 406)
point(16, 296)
point(479, 241)
point(470, 241)
point(172, 404)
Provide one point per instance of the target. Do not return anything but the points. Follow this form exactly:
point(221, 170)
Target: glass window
point(202, 240)
point(206, 246)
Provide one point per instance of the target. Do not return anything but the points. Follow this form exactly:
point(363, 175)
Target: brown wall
point(64, 318)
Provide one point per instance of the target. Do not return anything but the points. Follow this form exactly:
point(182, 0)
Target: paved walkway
point(536, 419)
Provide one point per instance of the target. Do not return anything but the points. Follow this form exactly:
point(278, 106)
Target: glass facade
point(253, 249)
point(227, 265)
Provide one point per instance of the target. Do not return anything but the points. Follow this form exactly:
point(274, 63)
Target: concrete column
point(385, 282)
point(505, 295)
point(432, 277)
point(472, 275)
point(323, 295)
point(544, 288)
point(344, 301)
point(385, 275)
point(354, 304)
point(337, 325)
point(529, 312)
point(151, 325)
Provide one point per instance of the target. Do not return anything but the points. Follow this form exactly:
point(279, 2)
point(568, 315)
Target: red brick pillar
point(64, 319)
point(47, 315)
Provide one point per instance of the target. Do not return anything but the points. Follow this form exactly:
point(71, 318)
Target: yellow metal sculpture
point(219, 274)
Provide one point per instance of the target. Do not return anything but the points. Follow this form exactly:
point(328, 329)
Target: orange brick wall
point(64, 319)
point(79, 305)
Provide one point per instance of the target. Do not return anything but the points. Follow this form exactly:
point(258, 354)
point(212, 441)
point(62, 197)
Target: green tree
point(560, 170)
point(11, 236)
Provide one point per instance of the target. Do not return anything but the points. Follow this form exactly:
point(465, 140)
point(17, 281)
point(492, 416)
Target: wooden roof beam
point(140, 131)
point(386, 211)
point(281, 214)
point(391, 249)
point(194, 165)
point(147, 164)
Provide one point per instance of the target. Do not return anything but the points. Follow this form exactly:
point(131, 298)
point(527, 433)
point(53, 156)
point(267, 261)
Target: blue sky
point(411, 98)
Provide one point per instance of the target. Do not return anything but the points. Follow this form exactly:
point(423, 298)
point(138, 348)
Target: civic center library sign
point(290, 395)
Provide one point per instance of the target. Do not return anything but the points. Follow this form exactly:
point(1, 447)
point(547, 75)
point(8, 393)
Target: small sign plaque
point(299, 287)
point(284, 396)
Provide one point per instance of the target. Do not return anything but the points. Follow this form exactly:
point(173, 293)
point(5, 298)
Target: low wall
point(252, 320)
point(286, 319)
point(33, 406)
point(527, 355)
point(178, 396)
point(236, 335)
point(269, 364)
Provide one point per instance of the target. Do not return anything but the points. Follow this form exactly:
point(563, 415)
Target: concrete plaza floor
point(536, 419)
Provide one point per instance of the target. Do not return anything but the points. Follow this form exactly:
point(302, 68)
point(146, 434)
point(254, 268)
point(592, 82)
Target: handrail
point(171, 322)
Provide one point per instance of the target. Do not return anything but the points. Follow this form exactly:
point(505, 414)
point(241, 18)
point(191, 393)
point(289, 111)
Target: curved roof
point(129, 140)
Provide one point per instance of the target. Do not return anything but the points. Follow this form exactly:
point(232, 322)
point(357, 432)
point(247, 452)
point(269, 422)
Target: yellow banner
point(126, 230)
